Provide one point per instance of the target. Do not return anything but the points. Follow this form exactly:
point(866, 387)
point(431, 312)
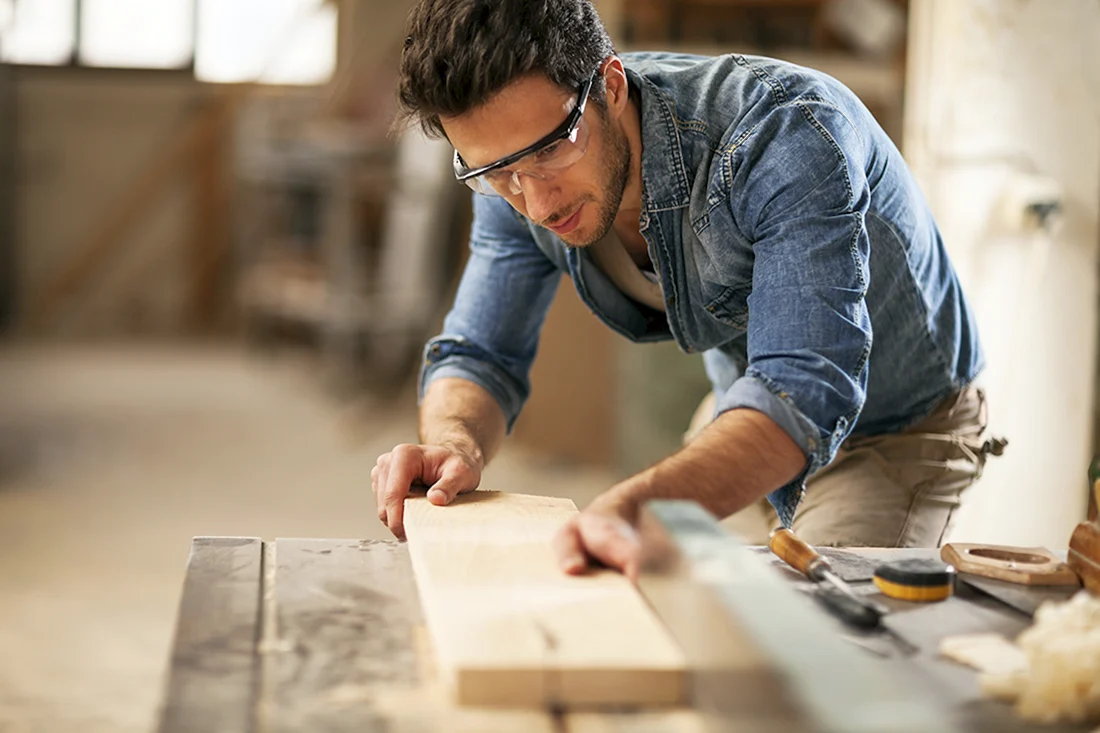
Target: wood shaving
point(989, 653)
point(1061, 680)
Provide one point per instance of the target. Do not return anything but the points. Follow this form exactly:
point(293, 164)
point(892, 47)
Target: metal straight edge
point(836, 687)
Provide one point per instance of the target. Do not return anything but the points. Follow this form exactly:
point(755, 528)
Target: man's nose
point(539, 196)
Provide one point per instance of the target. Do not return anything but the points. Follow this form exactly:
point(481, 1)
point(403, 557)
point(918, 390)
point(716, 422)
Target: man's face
point(578, 203)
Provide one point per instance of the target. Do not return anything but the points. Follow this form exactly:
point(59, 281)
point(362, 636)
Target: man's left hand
point(603, 532)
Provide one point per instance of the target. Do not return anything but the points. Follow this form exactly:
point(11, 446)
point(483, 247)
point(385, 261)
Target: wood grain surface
point(510, 628)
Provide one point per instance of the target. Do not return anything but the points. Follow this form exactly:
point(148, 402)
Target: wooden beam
point(510, 628)
point(214, 675)
point(345, 615)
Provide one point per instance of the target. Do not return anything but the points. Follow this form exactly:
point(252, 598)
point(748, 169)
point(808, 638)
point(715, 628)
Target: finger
point(404, 469)
point(569, 550)
point(612, 541)
point(379, 486)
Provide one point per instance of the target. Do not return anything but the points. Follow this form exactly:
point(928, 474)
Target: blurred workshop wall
point(346, 234)
point(247, 186)
point(1003, 132)
point(85, 138)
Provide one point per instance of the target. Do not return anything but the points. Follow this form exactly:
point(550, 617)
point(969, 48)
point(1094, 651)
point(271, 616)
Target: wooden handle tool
point(1084, 546)
point(836, 594)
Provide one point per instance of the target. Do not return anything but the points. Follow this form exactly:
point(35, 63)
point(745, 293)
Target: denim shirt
point(794, 249)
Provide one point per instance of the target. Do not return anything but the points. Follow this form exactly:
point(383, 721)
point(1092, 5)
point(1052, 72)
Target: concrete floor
point(111, 459)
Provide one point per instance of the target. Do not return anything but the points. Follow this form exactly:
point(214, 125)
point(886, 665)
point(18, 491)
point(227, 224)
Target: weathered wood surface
point(346, 651)
point(214, 676)
point(342, 647)
point(342, 628)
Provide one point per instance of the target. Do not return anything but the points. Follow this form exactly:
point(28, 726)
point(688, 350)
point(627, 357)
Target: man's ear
point(616, 86)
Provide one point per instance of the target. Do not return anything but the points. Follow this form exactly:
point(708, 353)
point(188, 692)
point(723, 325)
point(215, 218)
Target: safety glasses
point(543, 160)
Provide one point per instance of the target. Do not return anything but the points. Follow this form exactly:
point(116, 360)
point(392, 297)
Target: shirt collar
point(664, 177)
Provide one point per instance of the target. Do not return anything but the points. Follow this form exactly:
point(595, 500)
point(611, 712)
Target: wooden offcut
point(1024, 565)
point(510, 628)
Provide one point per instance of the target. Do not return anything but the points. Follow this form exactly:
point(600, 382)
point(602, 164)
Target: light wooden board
point(346, 658)
point(509, 628)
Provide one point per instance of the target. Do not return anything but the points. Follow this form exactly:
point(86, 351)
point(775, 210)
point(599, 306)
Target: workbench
point(325, 635)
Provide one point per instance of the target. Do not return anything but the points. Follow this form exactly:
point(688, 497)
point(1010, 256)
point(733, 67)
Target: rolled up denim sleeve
point(800, 195)
point(491, 333)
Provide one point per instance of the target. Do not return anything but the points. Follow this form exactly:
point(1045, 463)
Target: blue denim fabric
point(794, 249)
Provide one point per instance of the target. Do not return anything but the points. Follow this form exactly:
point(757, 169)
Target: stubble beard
point(614, 170)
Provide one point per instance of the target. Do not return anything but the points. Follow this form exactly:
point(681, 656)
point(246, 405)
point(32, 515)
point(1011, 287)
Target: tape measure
point(922, 580)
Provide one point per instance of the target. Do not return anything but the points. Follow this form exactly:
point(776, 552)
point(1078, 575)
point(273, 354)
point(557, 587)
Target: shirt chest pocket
point(728, 304)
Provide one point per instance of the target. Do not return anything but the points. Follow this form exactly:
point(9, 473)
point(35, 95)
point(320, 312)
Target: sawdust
point(989, 653)
point(1061, 678)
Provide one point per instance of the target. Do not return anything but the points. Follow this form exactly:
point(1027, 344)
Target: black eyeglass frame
point(562, 131)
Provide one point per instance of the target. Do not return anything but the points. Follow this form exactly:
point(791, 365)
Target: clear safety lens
point(543, 164)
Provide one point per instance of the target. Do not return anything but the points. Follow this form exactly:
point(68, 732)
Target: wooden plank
point(345, 651)
point(344, 617)
point(214, 674)
point(510, 628)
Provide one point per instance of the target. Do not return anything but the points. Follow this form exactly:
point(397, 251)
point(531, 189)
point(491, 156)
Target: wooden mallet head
point(1084, 545)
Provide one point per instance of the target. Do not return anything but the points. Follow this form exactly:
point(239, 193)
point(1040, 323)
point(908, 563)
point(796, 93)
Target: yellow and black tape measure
point(921, 580)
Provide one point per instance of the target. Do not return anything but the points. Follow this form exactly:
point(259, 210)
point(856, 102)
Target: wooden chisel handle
point(796, 553)
point(832, 591)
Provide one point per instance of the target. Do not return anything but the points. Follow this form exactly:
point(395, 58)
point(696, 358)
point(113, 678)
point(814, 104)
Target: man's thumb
point(443, 491)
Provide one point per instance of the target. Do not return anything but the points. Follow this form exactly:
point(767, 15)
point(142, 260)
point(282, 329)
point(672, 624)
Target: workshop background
point(217, 270)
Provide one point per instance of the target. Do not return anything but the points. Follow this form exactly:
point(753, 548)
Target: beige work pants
point(895, 490)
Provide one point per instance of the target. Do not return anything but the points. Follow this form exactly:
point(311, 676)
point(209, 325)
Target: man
point(750, 209)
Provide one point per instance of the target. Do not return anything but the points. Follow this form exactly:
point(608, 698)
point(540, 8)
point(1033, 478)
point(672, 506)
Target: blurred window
point(267, 41)
point(145, 34)
point(272, 41)
point(38, 31)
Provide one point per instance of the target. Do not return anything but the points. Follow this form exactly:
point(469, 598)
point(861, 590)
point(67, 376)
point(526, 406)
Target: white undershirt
point(615, 262)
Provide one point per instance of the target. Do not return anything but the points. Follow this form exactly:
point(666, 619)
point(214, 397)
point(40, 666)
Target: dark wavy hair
point(459, 53)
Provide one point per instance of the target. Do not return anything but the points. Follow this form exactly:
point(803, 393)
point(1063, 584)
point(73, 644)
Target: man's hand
point(603, 532)
point(446, 471)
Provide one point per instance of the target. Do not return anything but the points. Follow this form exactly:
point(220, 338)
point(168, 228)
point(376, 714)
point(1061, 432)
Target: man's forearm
point(460, 414)
point(739, 458)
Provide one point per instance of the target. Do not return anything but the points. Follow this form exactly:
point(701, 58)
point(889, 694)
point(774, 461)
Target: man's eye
point(549, 151)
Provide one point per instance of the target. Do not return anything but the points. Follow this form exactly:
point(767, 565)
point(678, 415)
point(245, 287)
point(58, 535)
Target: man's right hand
point(446, 471)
